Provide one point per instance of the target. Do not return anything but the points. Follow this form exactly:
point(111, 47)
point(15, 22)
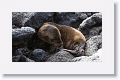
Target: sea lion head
point(50, 34)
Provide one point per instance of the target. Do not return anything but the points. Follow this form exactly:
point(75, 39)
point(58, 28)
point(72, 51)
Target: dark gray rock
point(90, 13)
point(95, 31)
point(93, 44)
point(13, 26)
point(67, 18)
point(88, 33)
point(37, 20)
point(92, 25)
point(21, 58)
point(22, 51)
point(61, 56)
point(39, 55)
point(37, 43)
point(95, 19)
point(21, 35)
point(84, 15)
point(19, 18)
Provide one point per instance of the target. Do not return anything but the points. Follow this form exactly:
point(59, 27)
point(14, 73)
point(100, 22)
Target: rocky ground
point(26, 47)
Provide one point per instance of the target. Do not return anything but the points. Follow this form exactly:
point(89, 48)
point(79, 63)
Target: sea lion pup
point(61, 35)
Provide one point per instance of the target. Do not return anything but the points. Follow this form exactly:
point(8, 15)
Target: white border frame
point(106, 7)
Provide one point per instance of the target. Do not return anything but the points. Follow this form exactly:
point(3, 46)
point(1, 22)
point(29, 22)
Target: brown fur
point(59, 35)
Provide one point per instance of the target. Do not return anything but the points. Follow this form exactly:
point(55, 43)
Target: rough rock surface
point(21, 58)
point(94, 58)
point(36, 20)
point(22, 51)
point(95, 31)
point(61, 56)
point(93, 44)
point(71, 18)
point(84, 15)
point(19, 18)
point(39, 55)
point(66, 18)
point(21, 35)
point(92, 25)
point(95, 19)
